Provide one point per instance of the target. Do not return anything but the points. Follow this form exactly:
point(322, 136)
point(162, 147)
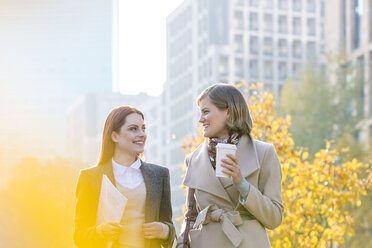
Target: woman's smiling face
point(131, 137)
point(213, 119)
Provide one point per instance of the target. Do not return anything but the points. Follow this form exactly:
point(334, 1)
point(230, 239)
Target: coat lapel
point(150, 177)
point(150, 184)
point(200, 174)
point(201, 168)
point(247, 156)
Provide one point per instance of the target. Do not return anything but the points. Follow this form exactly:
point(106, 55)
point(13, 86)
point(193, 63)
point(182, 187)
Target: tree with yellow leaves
point(316, 193)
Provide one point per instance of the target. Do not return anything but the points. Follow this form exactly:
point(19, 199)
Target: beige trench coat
point(260, 165)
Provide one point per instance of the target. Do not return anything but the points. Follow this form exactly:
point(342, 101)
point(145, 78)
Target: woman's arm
point(193, 215)
point(166, 210)
point(265, 203)
point(85, 234)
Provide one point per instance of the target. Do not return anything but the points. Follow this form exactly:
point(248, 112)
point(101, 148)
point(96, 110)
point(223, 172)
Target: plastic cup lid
point(226, 146)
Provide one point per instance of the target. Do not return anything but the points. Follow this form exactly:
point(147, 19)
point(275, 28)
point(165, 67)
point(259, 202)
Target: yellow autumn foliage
point(318, 193)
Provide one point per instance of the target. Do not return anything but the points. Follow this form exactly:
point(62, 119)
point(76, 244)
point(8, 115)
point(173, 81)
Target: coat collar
point(108, 171)
point(200, 174)
point(247, 155)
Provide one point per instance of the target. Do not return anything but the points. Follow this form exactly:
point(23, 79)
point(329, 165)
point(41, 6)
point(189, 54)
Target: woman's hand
point(110, 231)
point(152, 230)
point(231, 168)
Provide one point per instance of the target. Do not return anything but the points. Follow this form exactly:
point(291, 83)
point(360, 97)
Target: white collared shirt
point(129, 177)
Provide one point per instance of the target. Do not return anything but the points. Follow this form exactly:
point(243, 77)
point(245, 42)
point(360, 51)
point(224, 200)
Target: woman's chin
point(206, 135)
point(140, 151)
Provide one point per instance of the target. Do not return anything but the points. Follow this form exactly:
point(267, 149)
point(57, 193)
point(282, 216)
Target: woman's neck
point(221, 137)
point(124, 159)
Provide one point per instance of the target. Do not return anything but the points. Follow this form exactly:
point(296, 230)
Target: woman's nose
point(201, 119)
point(142, 133)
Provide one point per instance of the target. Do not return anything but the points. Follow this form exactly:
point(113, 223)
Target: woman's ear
point(114, 136)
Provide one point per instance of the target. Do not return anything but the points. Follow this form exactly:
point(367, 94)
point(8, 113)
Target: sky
point(53, 51)
point(142, 55)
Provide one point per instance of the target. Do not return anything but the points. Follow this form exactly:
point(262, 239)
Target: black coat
point(158, 203)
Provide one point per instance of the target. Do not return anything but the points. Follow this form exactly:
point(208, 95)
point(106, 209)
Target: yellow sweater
point(133, 217)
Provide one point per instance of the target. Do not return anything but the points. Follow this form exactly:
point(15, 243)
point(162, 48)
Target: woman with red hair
point(147, 218)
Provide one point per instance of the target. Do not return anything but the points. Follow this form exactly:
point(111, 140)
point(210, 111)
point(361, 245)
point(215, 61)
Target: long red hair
point(115, 119)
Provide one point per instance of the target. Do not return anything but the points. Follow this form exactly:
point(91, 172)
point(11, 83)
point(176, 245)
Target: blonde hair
point(226, 96)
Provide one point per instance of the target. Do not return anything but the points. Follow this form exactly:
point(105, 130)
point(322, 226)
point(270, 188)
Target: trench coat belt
point(229, 221)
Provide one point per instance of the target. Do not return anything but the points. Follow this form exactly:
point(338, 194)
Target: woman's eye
point(133, 129)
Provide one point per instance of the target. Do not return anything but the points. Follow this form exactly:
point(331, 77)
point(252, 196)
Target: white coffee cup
point(222, 151)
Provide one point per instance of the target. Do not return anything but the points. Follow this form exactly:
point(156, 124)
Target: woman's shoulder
point(90, 170)
point(264, 150)
point(196, 151)
point(262, 144)
point(157, 167)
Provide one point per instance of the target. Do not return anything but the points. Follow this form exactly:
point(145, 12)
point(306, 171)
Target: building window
point(268, 21)
point(297, 25)
point(239, 2)
point(268, 46)
point(239, 67)
point(282, 70)
point(269, 4)
point(311, 6)
point(296, 49)
point(268, 70)
point(311, 26)
point(268, 87)
point(238, 19)
point(282, 24)
point(311, 50)
point(280, 89)
point(282, 47)
point(322, 33)
point(360, 81)
point(296, 5)
point(253, 45)
point(358, 11)
point(370, 21)
point(253, 68)
point(223, 65)
point(254, 3)
point(296, 67)
point(253, 21)
point(238, 41)
point(283, 4)
point(358, 136)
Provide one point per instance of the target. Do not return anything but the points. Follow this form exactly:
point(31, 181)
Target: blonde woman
point(236, 211)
